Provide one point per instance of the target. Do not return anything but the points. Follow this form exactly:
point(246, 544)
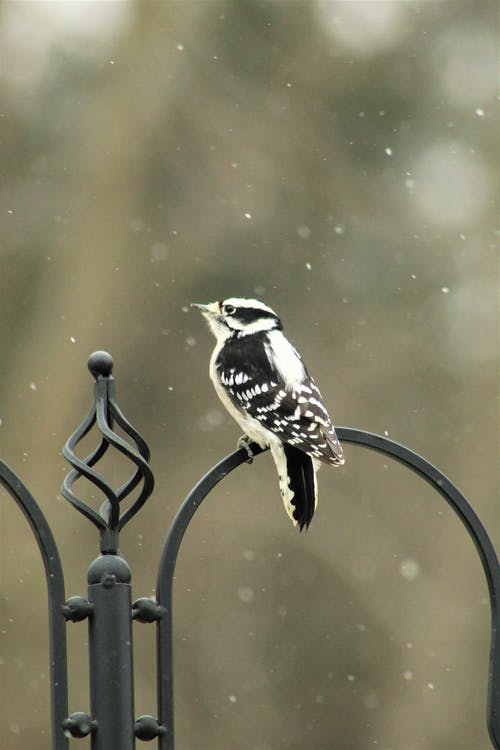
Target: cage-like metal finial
point(105, 413)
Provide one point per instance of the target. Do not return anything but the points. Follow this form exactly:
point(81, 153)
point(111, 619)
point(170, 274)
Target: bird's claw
point(246, 443)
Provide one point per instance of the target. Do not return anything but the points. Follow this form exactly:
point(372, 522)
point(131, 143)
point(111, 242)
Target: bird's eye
point(229, 309)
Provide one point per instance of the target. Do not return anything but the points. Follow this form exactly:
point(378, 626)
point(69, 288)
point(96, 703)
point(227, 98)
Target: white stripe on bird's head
point(239, 315)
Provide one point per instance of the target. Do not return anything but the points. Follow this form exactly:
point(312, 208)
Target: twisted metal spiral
point(104, 413)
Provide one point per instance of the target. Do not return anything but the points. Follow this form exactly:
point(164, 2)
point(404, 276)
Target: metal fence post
point(110, 653)
point(108, 606)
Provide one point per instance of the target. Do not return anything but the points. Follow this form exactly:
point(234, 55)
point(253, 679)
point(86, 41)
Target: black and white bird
point(263, 383)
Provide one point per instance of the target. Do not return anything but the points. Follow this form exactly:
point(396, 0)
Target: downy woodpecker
point(263, 383)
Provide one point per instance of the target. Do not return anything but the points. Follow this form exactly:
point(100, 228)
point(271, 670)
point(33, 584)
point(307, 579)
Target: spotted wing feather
point(298, 417)
point(302, 421)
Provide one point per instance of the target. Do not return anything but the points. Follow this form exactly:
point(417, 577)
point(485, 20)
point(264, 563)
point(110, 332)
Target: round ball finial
point(100, 363)
point(147, 728)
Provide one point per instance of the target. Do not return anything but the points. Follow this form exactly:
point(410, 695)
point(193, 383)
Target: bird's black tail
point(302, 482)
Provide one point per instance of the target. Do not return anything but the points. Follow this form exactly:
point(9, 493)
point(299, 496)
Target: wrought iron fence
point(108, 606)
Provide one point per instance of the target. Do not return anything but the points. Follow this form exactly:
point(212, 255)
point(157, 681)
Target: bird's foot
point(246, 443)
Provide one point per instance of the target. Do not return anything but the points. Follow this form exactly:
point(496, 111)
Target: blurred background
point(338, 161)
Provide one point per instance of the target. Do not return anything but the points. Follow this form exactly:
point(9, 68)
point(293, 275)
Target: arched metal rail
point(55, 589)
point(108, 606)
point(378, 443)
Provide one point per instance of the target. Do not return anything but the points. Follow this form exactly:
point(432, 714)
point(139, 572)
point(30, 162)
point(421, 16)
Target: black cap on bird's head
point(238, 316)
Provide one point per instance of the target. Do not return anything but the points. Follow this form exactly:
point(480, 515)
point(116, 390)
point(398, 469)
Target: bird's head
point(238, 317)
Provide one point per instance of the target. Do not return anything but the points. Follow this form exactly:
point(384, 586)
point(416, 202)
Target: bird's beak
point(212, 309)
point(203, 308)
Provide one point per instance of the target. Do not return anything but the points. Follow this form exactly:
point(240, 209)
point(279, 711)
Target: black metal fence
point(108, 606)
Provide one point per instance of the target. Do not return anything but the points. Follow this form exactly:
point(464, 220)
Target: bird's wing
point(298, 417)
